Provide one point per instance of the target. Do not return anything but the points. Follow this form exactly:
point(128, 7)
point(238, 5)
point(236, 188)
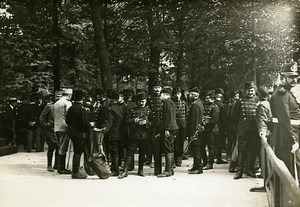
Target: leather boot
point(62, 165)
point(55, 166)
point(169, 167)
point(76, 174)
point(241, 161)
point(197, 169)
point(178, 161)
point(49, 161)
point(124, 174)
point(208, 167)
point(141, 165)
point(115, 166)
point(232, 166)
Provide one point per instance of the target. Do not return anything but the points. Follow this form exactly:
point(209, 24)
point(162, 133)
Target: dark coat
point(284, 107)
point(138, 131)
point(169, 116)
point(77, 121)
point(47, 117)
point(116, 118)
point(195, 117)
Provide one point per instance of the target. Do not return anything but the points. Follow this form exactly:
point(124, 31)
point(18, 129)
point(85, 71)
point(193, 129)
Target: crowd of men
point(160, 123)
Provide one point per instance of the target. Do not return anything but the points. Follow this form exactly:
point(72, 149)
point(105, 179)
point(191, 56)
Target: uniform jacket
point(195, 117)
point(244, 114)
point(284, 107)
point(32, 114)
point(212, 110)
point(77, 121)
point(263, 116)
point(139, 131)
point(181, 113)
point(103, 117)
point(47, 117)
point(169, 116)
point(155, 105)
point(115, 121)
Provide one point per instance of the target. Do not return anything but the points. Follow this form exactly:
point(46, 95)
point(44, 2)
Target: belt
point(293, 121)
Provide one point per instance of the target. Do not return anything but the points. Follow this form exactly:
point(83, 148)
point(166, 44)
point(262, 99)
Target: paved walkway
point(24, 182)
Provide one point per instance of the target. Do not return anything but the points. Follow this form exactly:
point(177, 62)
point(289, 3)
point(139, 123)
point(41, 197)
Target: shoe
point(164, 174)
point(50, 169)
point(221, 161)
point(64, 171)
point(195, 171)
point(148, 162)
point(114, 173)
point(191, 169)
point(208, 167)
point(250, 173)
point(123, 175)
point(185, 157)
point(79, 175)
point(232, 170)
point(141, 173)
point(238, 175)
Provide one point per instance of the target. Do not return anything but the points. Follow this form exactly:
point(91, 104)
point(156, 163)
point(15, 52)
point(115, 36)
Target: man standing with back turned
point(61, 128)
point(286, 113)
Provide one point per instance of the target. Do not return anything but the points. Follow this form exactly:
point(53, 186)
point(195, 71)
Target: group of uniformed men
point(159, 124)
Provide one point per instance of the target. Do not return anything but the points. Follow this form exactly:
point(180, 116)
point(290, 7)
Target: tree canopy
point(114, 44)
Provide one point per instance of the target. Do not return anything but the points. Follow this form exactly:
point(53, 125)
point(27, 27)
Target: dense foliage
point(210, 44)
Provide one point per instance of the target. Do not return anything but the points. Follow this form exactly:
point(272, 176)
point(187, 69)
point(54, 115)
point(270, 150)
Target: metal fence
point(282, 189)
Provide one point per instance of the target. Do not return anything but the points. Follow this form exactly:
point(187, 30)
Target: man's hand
point(263, 135)
point(295, 147)
point(167, 133)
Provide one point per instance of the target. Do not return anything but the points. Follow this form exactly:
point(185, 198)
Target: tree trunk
point(56, 48)
point(153, 72)
point(101, 50)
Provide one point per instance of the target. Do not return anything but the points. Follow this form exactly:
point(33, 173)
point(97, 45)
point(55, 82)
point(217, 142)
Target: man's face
point(193, 96)
point(177, 96)
point(69, 97)
point(291, 80)
point(141, 103)
point(250, 92)
point(208, 99)
point(157, 90)
point(164, 96)
point(236, 96)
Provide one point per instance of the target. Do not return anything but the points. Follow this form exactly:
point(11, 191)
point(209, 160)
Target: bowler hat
point(195, 90)
point(167, 90)
point(176, 90)
point(78, 95)
point(289, 69)
point(156, 82)
point(262, 92)
point(140, 96)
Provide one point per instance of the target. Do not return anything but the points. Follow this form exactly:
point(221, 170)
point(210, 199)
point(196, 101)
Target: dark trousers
point(207, 139)
point(33, 136)
point(114, 150)
point(248, 149)
point(196, 151)
point(152, 144)
point(178, 143)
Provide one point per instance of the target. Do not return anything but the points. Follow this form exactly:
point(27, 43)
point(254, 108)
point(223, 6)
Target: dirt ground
point(24, 181)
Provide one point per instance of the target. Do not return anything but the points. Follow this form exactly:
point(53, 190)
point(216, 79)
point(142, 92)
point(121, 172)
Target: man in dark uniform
point(244, 113)
point(169, 128)
point(211, 117)
point(129, 105)
point(194, 128)
point(154, 103)
point(31, 120)
point(181, 117)
point(9, 116)
point(138, 121)
point(220, 136)
point(285, 109)
point(79, 127)
point(115, 138)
